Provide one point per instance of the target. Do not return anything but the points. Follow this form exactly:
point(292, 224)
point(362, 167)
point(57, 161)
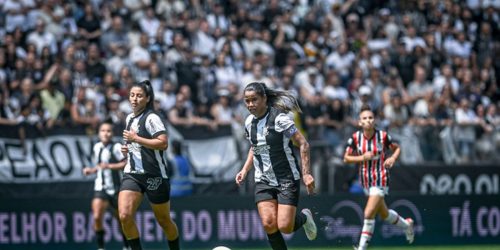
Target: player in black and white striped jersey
point(108, 162)
point(270, 129)
point(146, 170)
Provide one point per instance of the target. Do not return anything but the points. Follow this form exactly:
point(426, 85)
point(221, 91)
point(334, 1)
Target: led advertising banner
point(208, 221)
point(432, 180)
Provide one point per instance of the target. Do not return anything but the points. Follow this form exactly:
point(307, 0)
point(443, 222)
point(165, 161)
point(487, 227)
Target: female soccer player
point(270, 129)
point(109, 161)
point(367, 147)
point(146, 170)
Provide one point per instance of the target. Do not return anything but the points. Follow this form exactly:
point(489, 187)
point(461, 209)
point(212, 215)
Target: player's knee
point(269, 225)
point(97, 213)
point(125, 217)
point(285, 228)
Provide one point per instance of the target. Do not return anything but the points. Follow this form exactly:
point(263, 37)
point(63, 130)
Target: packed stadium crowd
point(428, 68)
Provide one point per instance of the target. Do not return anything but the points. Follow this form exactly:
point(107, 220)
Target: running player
point(367, 147)
point(270, 129)
point(146, 169)
point(109, 162)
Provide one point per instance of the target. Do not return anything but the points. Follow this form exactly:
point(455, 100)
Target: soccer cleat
point(410, 233)
point(355, 247)
point(309, 226)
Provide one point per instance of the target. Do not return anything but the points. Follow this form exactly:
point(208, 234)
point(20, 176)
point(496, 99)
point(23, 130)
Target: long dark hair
point(281, 100)
point(146, 86)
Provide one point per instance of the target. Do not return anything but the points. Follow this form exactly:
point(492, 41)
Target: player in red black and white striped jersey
point(368, 148)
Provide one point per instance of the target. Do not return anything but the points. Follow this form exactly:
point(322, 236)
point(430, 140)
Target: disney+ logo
point(346, 220)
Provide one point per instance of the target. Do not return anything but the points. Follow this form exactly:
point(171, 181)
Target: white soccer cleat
point(410, 232)
point(309, 226)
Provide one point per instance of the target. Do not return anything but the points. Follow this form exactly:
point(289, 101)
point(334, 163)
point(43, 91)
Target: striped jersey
point(273, 158)
point(372, 173)
point(142, 160)
point(107, 180)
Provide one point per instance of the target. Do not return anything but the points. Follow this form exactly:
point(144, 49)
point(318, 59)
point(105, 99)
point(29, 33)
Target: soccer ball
point(221, 248)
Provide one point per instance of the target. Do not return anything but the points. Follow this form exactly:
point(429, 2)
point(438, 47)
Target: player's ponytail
point(281, 100)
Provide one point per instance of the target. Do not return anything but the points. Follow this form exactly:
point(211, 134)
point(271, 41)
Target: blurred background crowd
point(428, 68)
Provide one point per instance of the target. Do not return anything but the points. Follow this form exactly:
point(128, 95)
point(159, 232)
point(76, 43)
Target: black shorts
point(156, 188)
point(112, 199)
point(287, 193)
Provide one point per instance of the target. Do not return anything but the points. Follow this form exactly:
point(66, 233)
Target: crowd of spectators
point(428, 68)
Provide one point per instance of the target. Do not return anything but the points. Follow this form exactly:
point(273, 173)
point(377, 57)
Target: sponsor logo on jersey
point(281, 125)
point(262, 149)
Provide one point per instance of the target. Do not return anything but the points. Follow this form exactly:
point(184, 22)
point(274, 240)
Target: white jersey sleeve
point(155, 126)
point(283, 122)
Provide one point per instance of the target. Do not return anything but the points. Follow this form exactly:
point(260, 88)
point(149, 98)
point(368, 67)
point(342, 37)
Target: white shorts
point(378, 191)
